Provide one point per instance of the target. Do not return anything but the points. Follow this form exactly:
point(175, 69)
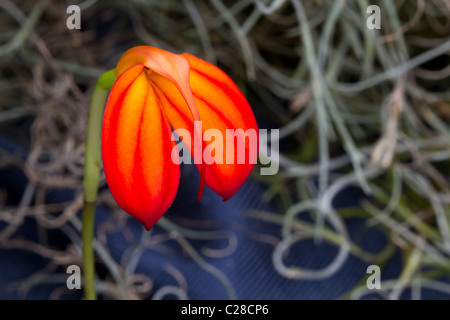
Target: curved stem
point(92, 160)
point(87, 237)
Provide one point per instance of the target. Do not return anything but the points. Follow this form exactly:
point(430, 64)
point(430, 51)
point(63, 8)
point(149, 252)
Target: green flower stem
point(92, 160)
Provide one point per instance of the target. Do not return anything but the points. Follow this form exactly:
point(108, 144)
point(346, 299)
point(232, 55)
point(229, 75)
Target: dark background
point(200, 249)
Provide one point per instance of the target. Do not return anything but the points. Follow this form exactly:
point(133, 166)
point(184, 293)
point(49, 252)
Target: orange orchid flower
point(157, 91)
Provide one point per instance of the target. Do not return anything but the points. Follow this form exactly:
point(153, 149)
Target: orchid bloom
point(157, 92)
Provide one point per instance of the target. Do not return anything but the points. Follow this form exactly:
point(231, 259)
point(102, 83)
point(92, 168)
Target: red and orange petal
point(221, 106)
point(136, 148)
point(176, 69)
